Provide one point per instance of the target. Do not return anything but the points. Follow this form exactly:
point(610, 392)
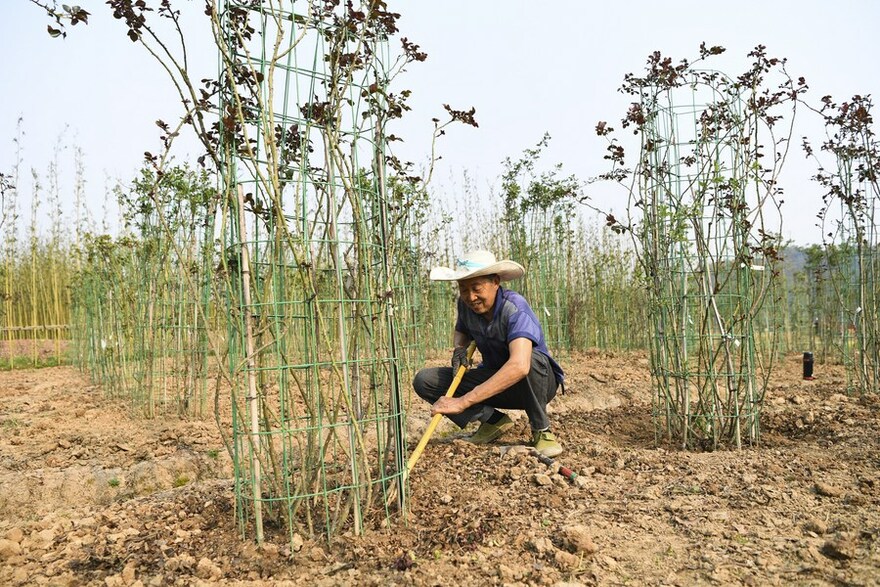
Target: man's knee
point(418, 383)
point(425, 382)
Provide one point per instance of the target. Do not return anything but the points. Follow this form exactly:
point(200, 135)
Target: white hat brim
point(507, 270)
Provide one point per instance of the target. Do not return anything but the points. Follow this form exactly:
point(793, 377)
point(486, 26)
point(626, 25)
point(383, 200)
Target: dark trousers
point(531, 394)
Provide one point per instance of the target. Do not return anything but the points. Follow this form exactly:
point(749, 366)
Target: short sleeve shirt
point(512, 318)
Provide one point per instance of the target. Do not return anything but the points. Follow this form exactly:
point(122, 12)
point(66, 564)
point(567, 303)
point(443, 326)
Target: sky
point(527, 67)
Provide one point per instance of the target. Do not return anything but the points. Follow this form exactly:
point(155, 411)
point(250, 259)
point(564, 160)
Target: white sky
point(528, 67)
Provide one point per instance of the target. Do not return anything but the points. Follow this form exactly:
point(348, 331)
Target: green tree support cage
point(318, 422)
point(852, 238)
point(142, 302)
point(855, 253)
point(702, 235)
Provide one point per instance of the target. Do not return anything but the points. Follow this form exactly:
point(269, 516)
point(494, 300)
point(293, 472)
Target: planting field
point(90, 496)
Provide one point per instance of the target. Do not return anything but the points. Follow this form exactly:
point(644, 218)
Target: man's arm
point(460, 339)
point(510, 373)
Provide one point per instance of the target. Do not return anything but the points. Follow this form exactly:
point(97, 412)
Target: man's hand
point(459, 358)
point(450, 405)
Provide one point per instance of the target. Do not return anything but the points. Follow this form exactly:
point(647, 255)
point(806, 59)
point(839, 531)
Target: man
point(517, 371)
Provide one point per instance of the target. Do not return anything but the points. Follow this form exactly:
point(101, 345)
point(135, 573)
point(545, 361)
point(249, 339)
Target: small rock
point(114, 581)
point(558, 479)
point(9, 548)
point(63, 443)
point(505, 573)
point(828, 490)
point(749, 478)
point(581, 482)
point(516, 472)
point(797, 400)
point(296, 543)
point(542, 480)
point(577, 539)
point(446, 499)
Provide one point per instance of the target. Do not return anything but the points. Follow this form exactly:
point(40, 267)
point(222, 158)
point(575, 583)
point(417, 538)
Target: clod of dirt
point(566, 560)
point(270, 551)
point(817, 526)
point(317, 554)
point(8, 549)
point(511, 452)
point(207, 569)
point(180, 563)
point(505, 573)
point(542, 545)
point(403, 562)
point(20, 576)
point(842, 548)
point(828, 490)
point(542, 480)
point(576, 538)
point(128, 574)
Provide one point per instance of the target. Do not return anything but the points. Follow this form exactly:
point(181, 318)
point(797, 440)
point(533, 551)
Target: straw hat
point(477, 264)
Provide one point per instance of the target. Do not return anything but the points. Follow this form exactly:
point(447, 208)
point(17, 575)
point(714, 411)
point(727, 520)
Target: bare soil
point(92, 496)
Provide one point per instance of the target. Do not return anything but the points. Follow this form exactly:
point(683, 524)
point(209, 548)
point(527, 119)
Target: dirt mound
point(800, 509)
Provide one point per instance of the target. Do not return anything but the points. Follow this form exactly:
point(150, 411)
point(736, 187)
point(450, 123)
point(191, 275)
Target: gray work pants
point(530, 394)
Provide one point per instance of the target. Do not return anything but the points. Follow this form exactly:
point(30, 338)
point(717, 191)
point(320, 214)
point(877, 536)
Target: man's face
point(478, 293)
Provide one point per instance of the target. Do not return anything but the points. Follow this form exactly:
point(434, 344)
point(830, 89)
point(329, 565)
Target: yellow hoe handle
point(436, 419)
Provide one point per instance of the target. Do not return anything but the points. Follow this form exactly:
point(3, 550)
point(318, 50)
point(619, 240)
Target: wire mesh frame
point(546, 282)
point(140, 331)
point(318, 441)
point(855, 275)
point(702, 277)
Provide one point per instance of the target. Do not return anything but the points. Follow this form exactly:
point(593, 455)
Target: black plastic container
point(808, 365)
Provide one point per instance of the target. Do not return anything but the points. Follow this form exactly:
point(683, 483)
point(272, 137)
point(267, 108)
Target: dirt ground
point(91, 496)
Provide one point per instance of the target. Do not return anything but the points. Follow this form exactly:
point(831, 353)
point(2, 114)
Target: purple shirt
point(512, 318)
